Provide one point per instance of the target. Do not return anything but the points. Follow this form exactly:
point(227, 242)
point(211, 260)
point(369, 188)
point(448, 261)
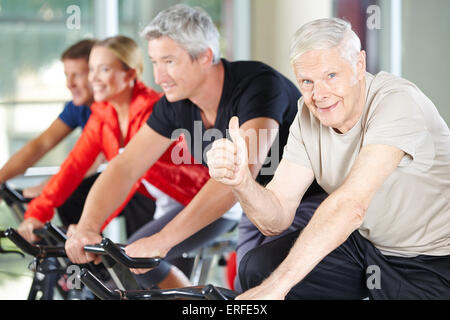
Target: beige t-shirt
point(410, 214)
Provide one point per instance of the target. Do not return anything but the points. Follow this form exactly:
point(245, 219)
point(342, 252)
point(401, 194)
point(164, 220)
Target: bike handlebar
point(51, 234)
point(116, 252)
point(11, 195)
point(56, 233)
point(106, 247)
point(208, 292)
point(32, 249)
point(212, 293)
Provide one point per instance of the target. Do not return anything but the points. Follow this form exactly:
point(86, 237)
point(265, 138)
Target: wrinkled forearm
point(263, 207)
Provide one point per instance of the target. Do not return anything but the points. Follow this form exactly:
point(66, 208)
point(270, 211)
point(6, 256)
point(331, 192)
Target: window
point(32, 85)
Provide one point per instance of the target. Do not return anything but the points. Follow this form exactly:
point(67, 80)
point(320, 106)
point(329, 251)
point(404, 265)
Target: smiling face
point(174, 71)
point(107, 75)
point(77, 71)
point(333, 90)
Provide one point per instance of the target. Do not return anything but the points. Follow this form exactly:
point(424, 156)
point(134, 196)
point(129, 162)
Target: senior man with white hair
point(379, 147)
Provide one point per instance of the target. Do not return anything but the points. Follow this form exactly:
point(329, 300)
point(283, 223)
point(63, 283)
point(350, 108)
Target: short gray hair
point(191, 27)
point(324, 34)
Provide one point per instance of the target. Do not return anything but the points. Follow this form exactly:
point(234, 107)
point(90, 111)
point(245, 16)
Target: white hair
point(325, 34)
point(191, 27)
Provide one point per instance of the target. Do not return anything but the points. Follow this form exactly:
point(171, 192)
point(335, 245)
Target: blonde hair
point(127, 51)
point(324, 34)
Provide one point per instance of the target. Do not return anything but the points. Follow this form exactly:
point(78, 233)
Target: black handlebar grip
point(98, 288)
point(211, 293)
point(34, 250)
point(21, 243)
point(99, 249)
point(118, 254)
point(94, 248)
point(10, 195)
point(55, 232)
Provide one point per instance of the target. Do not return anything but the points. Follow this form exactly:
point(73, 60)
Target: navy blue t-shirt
point(75, 116)
point(251, 90)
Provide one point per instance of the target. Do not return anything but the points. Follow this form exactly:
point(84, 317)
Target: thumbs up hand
point(228, 160)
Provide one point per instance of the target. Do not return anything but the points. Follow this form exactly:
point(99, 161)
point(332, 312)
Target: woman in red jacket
point(122, 105)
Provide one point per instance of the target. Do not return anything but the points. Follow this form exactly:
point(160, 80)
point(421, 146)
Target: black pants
point(138, 211)
point(354, 270)
point(250, 237)
point(70, 211)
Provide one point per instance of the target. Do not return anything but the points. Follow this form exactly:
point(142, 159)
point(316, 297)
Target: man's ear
point(206, 57)
point(361, 65)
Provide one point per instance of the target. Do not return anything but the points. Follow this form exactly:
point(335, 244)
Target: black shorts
point(70, 211)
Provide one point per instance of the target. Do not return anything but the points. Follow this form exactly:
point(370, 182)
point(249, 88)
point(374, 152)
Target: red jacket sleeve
point(69, 176)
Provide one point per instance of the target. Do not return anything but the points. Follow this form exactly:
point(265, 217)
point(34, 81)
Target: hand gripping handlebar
point(117, 253)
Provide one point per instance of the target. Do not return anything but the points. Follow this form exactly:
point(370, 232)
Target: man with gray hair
point(379, 147)
point(202, 92)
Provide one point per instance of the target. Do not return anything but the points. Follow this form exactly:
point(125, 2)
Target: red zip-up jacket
point(102, 134)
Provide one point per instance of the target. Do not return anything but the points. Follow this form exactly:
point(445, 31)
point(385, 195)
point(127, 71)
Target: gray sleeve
point(397, 120)
point(294, 149)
